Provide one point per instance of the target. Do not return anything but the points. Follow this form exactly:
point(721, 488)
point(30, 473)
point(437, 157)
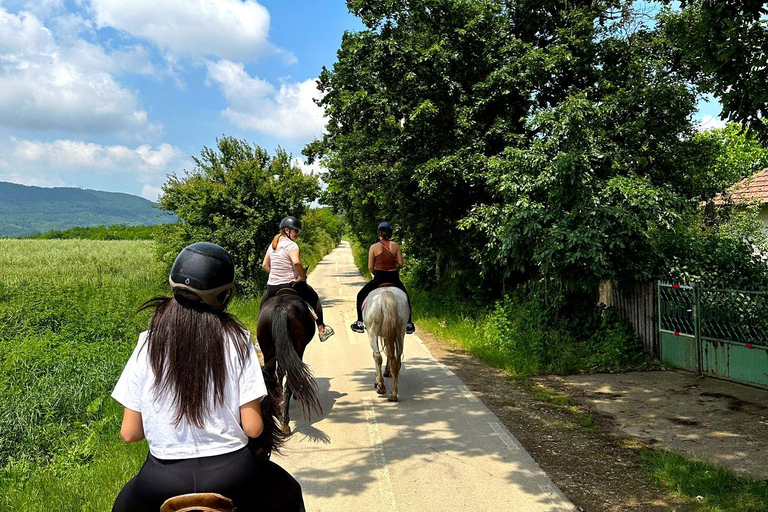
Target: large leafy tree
point(722, 45)
point(235, 197)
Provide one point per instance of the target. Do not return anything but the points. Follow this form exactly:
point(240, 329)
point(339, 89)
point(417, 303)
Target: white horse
point(385, 314)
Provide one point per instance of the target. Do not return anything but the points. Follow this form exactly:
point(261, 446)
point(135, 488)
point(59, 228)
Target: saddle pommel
point(201, 501)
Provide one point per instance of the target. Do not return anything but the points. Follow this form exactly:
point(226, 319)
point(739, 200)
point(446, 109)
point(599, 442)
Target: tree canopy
point(235, 197)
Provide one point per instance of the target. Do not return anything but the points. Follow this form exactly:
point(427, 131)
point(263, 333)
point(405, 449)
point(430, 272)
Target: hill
point(26, 210)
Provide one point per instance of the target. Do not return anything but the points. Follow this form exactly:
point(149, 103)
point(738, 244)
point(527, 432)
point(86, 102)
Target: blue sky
point(116, 94)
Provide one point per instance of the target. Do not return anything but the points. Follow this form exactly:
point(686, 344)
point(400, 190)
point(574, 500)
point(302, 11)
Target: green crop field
point(65, 334)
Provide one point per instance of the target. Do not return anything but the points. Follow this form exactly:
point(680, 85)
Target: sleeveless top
point(386, 260)
point(281, 270)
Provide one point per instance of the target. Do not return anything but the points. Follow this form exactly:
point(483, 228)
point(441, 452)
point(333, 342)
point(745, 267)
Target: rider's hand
point(297, 280)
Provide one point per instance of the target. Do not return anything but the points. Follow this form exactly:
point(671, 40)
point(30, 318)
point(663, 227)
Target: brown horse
point(284, 329)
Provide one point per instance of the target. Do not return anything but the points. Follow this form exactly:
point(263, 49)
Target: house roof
point(749, 189)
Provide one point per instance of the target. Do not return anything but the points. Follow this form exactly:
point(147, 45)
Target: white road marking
point(341, 292)
point(338, 279)
point(504, 436)
point(380, 461)
point(445, 369)
point(467, 393)
point(350, 335)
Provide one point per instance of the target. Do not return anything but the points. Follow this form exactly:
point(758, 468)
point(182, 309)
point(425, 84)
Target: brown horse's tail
point(391, 326)
point(299, 379)
point(272, 437)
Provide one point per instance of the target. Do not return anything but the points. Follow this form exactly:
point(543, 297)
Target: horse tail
point(272, 437)
point(391, 326)
point(299, 379)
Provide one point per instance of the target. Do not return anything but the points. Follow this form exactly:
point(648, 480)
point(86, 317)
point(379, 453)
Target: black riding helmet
point(206, 271)
point(386, 227)
point(290, 222)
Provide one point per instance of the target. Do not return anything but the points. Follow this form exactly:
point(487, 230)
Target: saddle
point(365, 302)
point(291, 291)
point(201, 501)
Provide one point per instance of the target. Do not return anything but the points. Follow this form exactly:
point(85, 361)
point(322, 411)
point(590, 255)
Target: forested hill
point(27, 210)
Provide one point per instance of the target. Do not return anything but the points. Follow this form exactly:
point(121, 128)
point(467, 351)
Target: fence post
point(697, 325)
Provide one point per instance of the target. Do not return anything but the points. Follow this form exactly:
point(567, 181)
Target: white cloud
point(710, 123)
point(230, 29)
point(46, 84)
point(254, 104)
point(151, 193)
point(314, 168)
point(68, 162)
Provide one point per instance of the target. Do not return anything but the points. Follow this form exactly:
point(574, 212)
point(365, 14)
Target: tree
point(235, 197)
point(508, 136)
point(722, 45)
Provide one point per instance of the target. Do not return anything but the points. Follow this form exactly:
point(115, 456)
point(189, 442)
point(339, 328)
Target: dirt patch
point(584, 454)
point(709, 419)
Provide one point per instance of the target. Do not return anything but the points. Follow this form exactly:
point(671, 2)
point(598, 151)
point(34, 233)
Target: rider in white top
point(283, 263)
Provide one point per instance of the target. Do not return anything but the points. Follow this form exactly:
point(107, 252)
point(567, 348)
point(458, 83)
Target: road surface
point(437, 449)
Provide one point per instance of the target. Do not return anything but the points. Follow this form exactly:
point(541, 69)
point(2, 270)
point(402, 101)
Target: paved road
point(438, 449)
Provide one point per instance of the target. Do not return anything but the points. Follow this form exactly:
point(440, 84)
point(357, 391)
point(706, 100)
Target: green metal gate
point(721, 333)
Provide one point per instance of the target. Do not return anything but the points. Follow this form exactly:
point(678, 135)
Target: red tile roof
point(749, 189)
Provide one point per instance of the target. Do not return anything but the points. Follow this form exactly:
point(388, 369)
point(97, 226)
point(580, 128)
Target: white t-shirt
point(281, 269)
point(222, 432)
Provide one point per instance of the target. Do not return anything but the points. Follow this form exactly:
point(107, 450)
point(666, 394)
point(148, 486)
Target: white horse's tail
point(391, 326)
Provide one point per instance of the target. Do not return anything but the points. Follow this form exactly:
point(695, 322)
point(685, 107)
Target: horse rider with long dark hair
point(283, 263)
point(192, 388)
point(384, 258)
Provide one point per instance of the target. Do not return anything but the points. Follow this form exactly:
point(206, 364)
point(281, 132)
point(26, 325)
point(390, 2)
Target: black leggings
point(305, 291)
point(379, 277)
point(253, 484)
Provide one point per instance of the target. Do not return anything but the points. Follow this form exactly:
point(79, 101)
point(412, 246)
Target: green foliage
point(714, 488)
point(561, 152)
point(722, 45)
point(321, 233)
point(737, 154)
point(235, 197)
point(522, 336)
point(27, 210)
point(114, 232)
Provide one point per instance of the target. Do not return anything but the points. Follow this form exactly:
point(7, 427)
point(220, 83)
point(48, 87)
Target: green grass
point(713, 488)
point(65, 335)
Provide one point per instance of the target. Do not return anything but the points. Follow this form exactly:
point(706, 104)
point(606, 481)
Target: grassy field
point(65, 334)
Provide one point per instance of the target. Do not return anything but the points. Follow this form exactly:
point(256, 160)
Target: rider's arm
point(132, 429)
point(266, 264)
point(250, 418)
point(371, 259)
point(296, 260)
point(399, 255)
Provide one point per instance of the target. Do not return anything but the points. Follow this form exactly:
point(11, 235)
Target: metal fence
point(717, 332)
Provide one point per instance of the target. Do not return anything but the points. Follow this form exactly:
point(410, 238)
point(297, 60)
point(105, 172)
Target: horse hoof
point(392, 398)
point(381, 390)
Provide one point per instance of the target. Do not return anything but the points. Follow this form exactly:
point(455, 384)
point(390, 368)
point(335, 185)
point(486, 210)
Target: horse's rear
point(284, 329)
point(385, 316)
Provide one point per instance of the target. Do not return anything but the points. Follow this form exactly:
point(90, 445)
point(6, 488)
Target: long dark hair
point(188, 343)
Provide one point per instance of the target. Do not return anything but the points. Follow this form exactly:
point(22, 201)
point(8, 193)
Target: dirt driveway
point(708, 419)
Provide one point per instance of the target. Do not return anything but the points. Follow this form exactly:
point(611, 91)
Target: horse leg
point(394, 363)
point(380, 388)
point(387, 371)
point(286, 410)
